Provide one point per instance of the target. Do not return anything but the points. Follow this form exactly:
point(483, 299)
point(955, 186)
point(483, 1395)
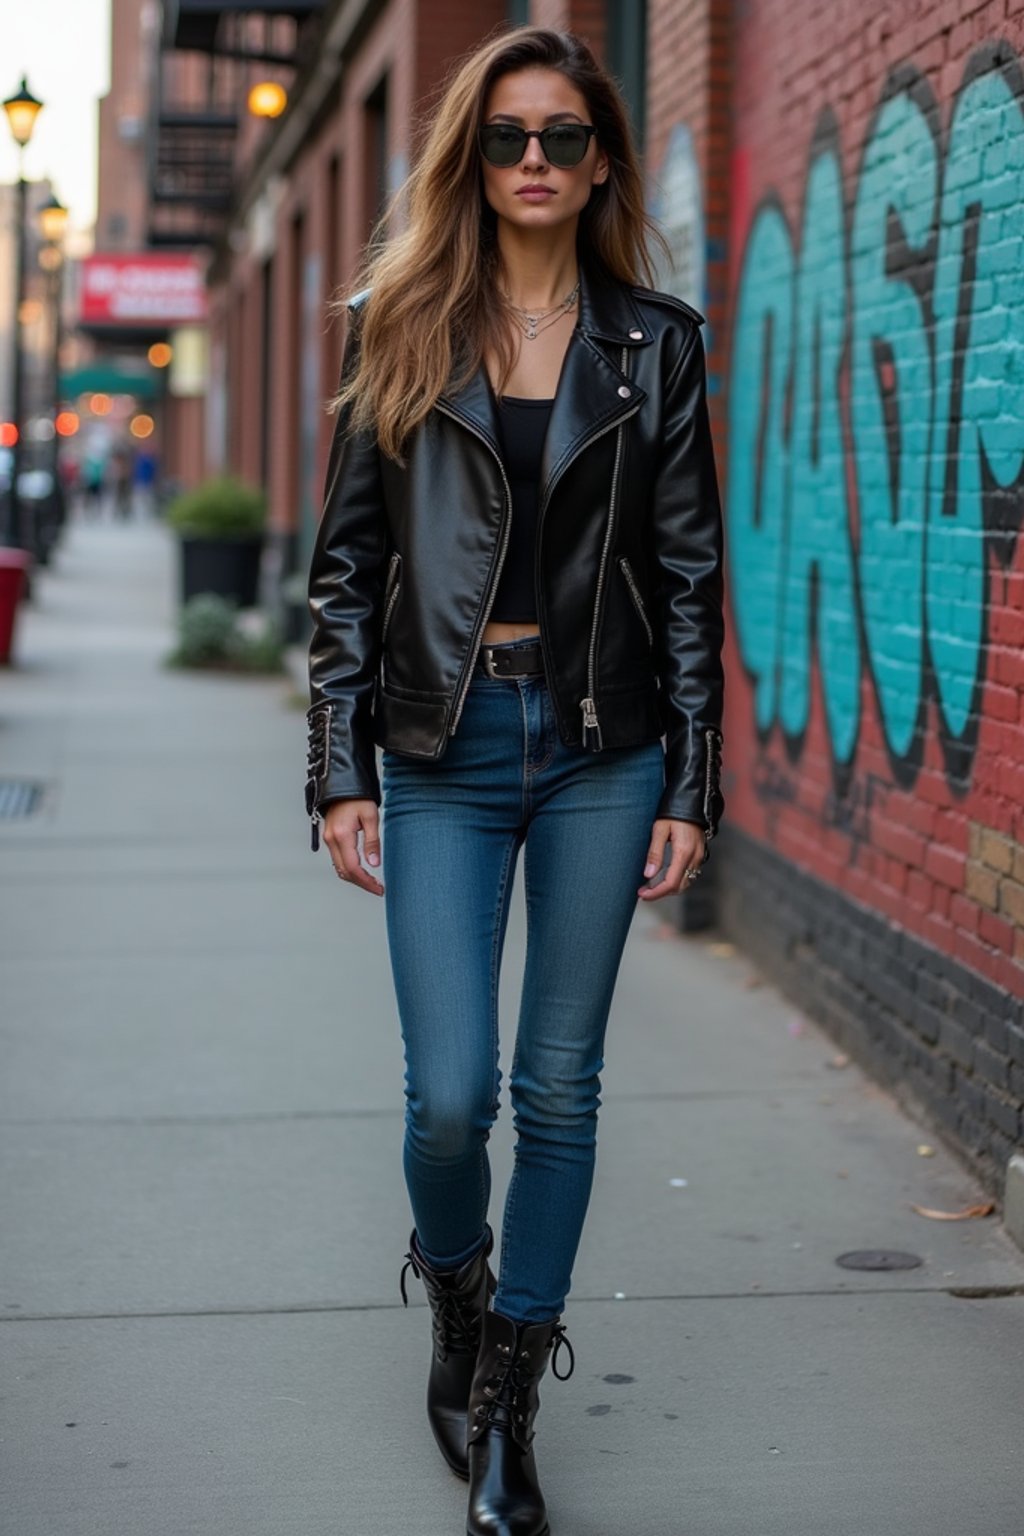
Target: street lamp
point(22, 110)
point(53, 219)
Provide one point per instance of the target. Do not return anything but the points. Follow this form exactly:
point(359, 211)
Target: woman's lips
point(534, 194)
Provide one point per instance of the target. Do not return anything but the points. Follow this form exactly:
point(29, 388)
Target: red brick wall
point(862, 188)
point(584, 17)
point(892, 782)
point(688, 73)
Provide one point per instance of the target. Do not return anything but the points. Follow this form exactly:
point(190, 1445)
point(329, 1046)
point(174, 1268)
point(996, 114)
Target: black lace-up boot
point(504, 1494)
point(458, 1299)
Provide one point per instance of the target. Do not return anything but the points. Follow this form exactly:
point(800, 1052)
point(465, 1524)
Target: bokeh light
point(267, 99)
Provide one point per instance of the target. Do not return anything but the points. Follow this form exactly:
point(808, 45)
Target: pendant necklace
point(530, 322)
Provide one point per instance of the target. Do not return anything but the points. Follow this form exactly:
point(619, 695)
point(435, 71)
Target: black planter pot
point(228, 567)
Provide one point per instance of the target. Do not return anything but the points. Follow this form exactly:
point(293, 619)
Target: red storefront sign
point(142, 290)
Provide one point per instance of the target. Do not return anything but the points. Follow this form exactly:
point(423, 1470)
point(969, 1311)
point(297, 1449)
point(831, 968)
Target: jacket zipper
point(588, 705)
point(712, 743)
point(506, 530)
point(391, 586)
point(318, 756)
point(638, 601)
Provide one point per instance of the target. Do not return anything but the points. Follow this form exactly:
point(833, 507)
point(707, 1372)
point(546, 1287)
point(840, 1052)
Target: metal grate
point(19, 798)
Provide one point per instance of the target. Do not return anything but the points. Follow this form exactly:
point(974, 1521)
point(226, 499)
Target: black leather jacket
point(628, 572)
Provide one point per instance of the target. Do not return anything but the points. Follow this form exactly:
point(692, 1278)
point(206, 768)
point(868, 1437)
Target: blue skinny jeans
point(452, 830)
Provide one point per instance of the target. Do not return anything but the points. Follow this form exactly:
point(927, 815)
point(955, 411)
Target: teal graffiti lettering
point(979, 374)
point(898, 179)
point(756, 505)
point(934, 348)
point(819, 558)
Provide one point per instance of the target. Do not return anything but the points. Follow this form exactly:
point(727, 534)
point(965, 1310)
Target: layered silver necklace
point(532, 323)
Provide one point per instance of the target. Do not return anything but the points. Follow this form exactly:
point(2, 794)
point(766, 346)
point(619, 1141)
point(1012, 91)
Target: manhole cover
point(18, 798)
point(878, 1258)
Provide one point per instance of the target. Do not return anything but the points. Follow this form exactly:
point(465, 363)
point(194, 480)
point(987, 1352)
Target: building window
point(626, 32)
point(375, 128)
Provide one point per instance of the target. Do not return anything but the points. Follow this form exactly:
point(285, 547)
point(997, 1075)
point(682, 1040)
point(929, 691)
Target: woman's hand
point(343, 822)
point(689, 850)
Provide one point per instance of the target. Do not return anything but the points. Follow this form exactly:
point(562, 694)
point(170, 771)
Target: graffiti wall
point(875, 464)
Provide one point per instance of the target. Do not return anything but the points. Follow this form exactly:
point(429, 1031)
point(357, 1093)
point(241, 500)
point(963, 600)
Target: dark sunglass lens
point(502, 143)
point(565, 144)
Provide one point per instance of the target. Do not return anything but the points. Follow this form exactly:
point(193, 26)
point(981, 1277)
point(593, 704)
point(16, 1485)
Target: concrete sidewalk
point(203, 1215)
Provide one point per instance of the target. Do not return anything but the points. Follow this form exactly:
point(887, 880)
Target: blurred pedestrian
point(145, 481)
point(516, 592)
point(121, 476)
point(93, 478)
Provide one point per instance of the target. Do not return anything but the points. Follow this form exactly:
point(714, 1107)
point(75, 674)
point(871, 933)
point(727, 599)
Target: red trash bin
point(14, 564)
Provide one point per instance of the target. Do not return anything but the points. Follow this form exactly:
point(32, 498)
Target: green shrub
point(213, 633)
point(204, 629)
point(222, 508)
point(255, 643)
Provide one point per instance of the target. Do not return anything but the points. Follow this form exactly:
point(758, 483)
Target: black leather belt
point(522, 661)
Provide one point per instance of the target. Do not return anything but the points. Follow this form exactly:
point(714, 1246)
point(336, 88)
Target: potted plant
point(220, 526)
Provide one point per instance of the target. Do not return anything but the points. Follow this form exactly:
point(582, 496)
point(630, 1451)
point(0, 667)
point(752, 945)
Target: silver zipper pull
point(314, 830)
point(590, 722)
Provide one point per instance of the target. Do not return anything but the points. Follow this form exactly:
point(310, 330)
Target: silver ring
point(691, 874)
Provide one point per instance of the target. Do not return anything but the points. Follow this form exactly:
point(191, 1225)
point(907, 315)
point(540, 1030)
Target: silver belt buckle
point(488, 659)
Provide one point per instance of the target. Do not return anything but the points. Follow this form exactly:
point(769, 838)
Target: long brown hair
point(435, 305)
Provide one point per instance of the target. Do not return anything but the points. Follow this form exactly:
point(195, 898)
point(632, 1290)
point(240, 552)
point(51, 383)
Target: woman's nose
point(533, 155)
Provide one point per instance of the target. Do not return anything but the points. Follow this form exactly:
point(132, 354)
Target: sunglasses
point(564, 144)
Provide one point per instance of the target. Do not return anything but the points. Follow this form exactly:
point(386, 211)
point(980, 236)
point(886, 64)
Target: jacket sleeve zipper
point(591, 725)
point(638, 601)
point(506, 529)
point(318, 757)
point(712, 746)
point(392, 586)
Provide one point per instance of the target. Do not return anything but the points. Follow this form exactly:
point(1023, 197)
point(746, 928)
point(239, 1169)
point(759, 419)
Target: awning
point(108, 379)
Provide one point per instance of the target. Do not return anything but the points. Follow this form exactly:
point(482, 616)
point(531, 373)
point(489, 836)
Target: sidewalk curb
point(1013, 1201)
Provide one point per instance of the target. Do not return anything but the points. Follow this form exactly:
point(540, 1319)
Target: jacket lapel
point(474, 405)
point(593, 393)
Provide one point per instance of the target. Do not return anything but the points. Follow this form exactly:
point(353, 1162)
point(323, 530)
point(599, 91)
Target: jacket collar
point(593, 392)
point(609, 312)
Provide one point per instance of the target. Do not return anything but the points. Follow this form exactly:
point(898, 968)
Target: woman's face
point(533, 98)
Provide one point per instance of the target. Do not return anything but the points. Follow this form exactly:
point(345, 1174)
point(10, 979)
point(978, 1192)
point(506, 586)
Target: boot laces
point(455, 1317)
point(506, 1388)
point(561, 1337)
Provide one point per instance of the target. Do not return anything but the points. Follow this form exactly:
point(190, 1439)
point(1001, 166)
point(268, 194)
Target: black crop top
point(524, 425)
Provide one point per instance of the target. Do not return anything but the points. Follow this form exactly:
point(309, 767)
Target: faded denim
point(452, 831)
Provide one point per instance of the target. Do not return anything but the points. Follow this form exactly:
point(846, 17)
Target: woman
point(516, 592)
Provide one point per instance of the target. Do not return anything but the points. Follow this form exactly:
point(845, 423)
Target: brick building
point(875, 470)
point(843, 188)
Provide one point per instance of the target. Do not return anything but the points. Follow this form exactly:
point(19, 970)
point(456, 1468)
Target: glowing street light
point(267, 99)
point(53, 220)
point(22, 110)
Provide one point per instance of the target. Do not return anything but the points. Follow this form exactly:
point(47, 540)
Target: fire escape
point(204, 65)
